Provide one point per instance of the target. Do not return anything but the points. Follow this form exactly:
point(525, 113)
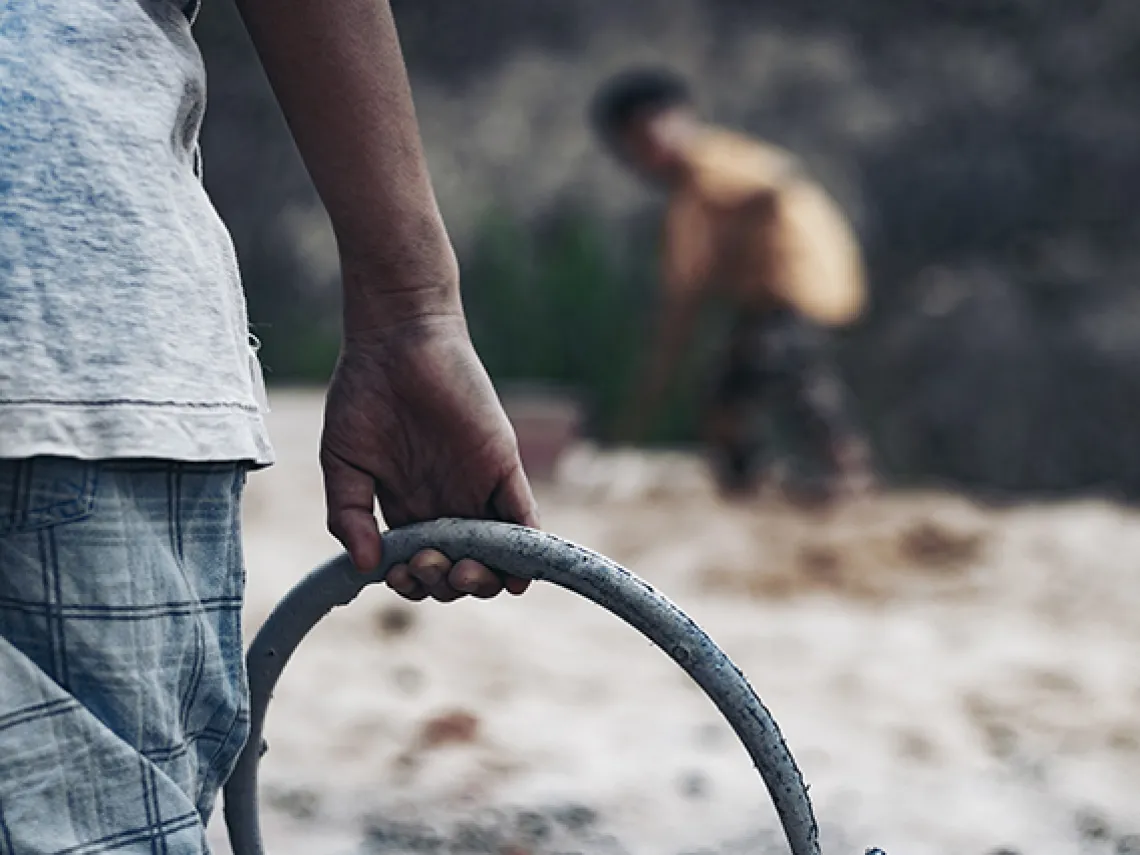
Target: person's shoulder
point(728, 144)
point(727, 165)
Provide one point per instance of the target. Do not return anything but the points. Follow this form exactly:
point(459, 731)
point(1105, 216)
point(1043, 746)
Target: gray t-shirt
point(123, 328)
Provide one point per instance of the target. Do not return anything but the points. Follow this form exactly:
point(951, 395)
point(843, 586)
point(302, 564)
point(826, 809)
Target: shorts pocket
point(40, 492)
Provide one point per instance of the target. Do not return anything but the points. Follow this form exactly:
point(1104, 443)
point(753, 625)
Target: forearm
point(671, 337)
point(338, 72)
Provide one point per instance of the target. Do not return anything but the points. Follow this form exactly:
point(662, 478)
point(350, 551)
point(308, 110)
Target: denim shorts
point(123, 697)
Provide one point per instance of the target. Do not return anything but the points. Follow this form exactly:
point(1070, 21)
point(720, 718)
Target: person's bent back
point(747, 225)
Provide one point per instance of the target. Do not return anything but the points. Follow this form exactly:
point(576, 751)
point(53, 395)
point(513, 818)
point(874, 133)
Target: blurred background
point(988, 150)
point(955, 675)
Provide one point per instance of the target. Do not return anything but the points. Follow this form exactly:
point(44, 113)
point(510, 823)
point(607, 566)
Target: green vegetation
point(299, 350)
point(560, 304)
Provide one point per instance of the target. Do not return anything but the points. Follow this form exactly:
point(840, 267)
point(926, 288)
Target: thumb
point(349, 498)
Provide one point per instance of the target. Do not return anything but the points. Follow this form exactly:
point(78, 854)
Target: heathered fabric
point(123, 329)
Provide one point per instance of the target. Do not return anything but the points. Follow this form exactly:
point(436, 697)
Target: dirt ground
point(953, 680)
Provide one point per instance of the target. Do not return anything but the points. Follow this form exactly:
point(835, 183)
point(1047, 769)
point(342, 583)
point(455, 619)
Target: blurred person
point(130, 408)
point(747, 225)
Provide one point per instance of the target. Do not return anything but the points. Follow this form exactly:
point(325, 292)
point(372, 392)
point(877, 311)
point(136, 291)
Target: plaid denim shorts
point(122, 685)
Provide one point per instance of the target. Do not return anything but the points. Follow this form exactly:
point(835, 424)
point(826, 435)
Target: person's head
point(644, 115)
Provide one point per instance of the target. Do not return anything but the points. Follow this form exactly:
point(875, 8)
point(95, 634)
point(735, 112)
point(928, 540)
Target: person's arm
point(670, 337)
point(338, 74)
point(411, 417)
point(686, 268)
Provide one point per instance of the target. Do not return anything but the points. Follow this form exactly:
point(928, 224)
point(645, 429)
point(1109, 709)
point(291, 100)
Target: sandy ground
point(951, 679)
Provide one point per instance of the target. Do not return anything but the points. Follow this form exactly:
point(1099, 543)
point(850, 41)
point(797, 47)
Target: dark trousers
point(778, 377)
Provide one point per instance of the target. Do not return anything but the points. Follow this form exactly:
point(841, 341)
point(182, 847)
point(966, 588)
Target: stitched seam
point(241, 718)
point(24, 520)
point(131, 402)
point(109, 612)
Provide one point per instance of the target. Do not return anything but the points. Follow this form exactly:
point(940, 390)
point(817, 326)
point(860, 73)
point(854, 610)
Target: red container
point(547, 421)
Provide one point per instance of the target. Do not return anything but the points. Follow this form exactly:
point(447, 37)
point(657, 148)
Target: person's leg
point(124, 701)
point(818, 403)
point(733, 421)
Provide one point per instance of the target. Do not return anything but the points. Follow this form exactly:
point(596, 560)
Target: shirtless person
point(746, 225)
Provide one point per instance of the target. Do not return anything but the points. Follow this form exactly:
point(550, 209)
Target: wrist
point(399, 287)
point(368, 312)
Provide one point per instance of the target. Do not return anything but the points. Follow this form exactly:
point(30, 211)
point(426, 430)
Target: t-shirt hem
point(194, 432)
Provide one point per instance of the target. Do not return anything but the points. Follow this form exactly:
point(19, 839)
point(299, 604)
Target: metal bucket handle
point(533, 555)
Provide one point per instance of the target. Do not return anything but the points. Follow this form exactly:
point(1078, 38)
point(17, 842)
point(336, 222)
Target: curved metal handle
point(534, 555)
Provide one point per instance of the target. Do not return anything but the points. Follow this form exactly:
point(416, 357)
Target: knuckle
point(431, 559)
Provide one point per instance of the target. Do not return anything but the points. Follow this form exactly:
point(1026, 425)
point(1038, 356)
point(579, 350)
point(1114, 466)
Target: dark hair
point(632, 93)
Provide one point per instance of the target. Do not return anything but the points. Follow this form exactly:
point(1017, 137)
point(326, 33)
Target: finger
point(403, 583)
point(444, 593)
point(430, 568)
point(516, 584)
point(417, 596)
point(473, 578)
point(349, 498)
point(514, 502)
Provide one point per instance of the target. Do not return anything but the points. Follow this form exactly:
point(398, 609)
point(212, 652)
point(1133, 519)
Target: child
point(744, 224)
